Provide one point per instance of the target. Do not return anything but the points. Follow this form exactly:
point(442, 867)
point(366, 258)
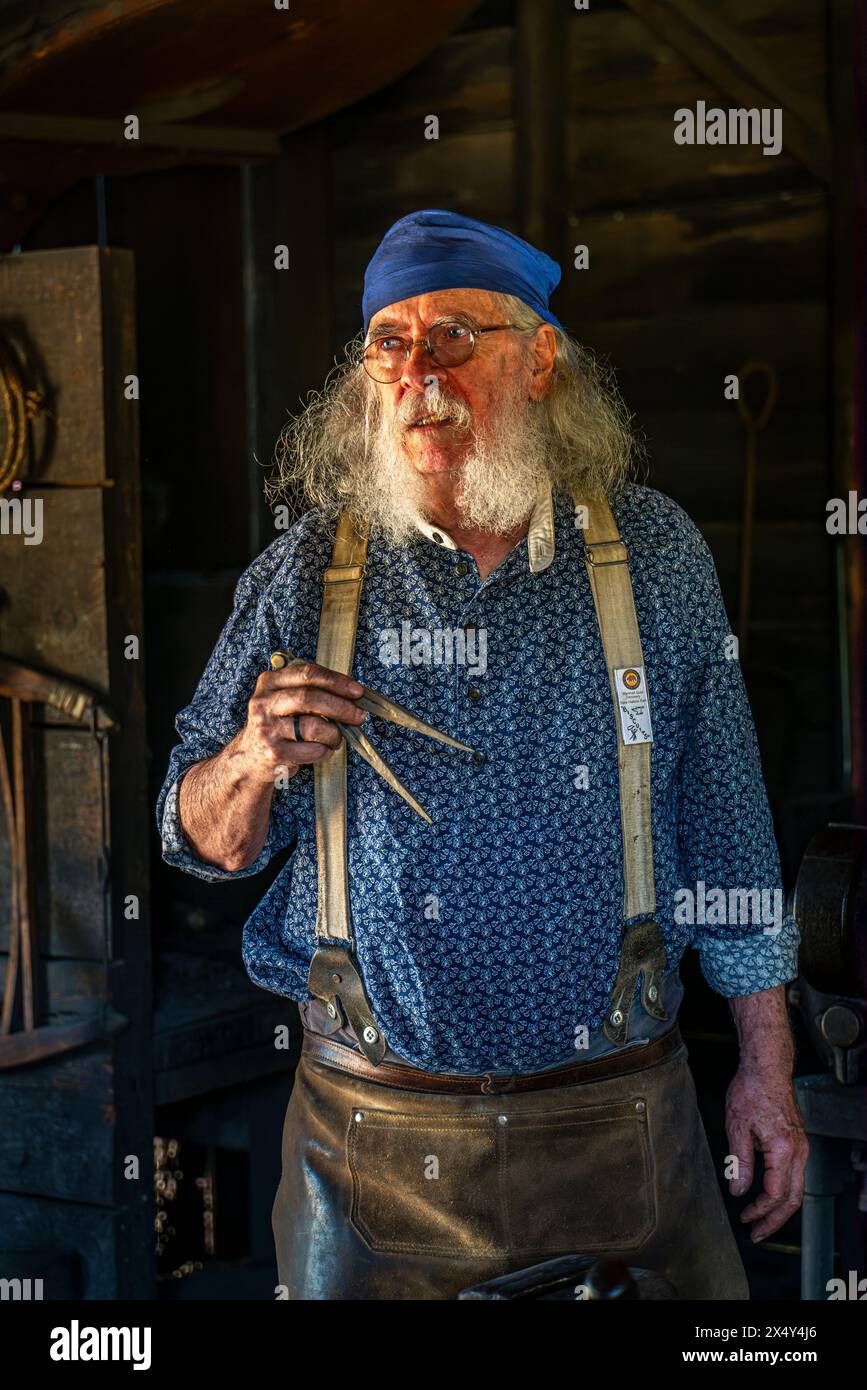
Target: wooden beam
point(540, 104)
point(92, 130)
point(741, 71)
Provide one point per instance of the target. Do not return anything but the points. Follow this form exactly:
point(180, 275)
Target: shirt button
point(474, 694)
point(462, 568)
point(437, 537)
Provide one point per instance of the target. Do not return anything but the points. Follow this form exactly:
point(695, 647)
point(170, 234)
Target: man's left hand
point(762, 1116)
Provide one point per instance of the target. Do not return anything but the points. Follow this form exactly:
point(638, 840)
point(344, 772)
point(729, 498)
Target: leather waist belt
point(405, 1078)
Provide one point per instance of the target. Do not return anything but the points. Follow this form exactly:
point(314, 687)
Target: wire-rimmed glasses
point(449, 344)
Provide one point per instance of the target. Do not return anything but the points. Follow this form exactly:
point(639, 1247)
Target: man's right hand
point(224, 803)
point(266, 745)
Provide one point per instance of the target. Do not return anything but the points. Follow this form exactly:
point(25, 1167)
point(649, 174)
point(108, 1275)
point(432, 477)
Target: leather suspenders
point(334, 976)
point(642, 949)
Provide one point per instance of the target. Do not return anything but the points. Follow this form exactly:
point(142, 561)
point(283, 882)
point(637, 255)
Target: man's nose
point(419, 367)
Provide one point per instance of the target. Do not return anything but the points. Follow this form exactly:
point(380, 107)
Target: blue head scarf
point(437, 250)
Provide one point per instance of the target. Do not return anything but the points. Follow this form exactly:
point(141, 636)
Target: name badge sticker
point(631, 687)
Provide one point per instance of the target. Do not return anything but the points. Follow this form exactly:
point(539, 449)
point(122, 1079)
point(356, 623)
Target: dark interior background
point(701, 260)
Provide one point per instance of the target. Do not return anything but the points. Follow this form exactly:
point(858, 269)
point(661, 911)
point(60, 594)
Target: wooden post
point(540, 118)
point(847, 468)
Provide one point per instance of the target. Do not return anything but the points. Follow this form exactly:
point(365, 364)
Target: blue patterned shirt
point(489, 940)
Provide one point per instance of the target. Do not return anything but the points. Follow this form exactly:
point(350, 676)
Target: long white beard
point(498, 481)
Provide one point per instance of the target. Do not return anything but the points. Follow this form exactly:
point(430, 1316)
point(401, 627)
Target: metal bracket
point(642, 953)
point(334, 979)
point(600, 564)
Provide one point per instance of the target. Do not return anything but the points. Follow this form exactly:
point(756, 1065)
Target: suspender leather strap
point(335, 649)
point(642, 948)
point(607, 564)
point(334, 976)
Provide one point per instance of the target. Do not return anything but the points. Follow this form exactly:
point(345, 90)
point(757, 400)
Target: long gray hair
point(324, 454)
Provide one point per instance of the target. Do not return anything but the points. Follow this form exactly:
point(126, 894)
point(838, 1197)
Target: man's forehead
point(428, 307)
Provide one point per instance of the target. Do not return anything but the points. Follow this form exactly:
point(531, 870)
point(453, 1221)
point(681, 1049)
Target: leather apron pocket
point(425, 1183)
point(580, 1179)
point(468, 1184)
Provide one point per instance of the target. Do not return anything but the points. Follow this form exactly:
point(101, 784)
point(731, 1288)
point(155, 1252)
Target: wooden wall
point(558, 124)
point(69, 1124)
point(701, 259)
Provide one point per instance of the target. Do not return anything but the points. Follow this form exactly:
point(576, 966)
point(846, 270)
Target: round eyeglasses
point(448, 344)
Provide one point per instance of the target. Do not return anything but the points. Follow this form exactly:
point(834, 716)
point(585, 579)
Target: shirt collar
point(540, 532)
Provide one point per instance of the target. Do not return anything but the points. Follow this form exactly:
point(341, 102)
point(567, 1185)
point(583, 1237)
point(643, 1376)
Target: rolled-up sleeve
point(214, 716)
point(746, 939)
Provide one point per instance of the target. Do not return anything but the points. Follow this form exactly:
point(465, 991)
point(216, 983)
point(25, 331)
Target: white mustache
point(412, 409)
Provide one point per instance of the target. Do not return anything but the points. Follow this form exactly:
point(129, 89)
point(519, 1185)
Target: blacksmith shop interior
point(171, 289)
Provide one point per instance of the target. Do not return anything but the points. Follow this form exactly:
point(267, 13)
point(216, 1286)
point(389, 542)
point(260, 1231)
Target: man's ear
point(544, 351)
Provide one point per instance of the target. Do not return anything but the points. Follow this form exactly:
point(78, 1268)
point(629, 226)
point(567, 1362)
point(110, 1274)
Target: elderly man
point(492, 1072)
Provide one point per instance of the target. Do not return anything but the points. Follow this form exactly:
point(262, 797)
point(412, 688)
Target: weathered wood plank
point(723, 55)
point(282, 367)
point(72, 602)
point(53, 614)
point(69, 900)
point(470, 171)
point(92, 1239)
point(466, 80)
point(51, 304)
point(633, 161)
point(616, 63)
point(56, 1139)
point(675, 361)
point(718, 251)
point(229, 1050)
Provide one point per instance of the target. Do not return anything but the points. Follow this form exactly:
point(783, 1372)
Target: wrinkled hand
point(762, 1116)
point(266, 744)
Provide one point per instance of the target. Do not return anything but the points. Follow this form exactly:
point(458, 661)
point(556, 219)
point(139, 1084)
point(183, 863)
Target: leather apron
point(395, 1194)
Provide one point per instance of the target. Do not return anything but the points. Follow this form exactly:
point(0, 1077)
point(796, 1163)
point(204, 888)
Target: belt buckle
point(497, 1086)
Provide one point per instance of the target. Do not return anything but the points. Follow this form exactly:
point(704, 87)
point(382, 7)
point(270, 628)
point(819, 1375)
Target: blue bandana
point(437, 250)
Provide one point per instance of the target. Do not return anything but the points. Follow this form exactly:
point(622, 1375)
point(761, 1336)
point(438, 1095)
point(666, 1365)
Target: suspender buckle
point(642, 953)
point(593, 546)
point(343, 574)
point(334, 979)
